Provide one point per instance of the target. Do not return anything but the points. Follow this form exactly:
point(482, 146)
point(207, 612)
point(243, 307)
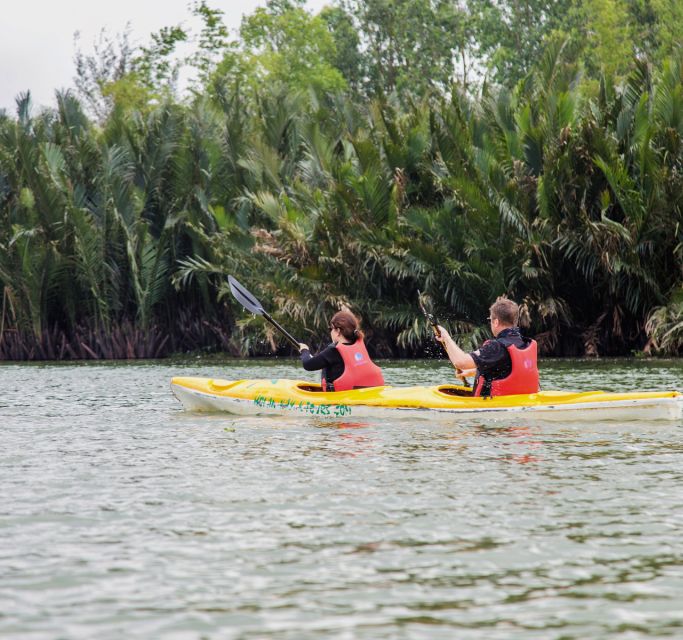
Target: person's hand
point(464, 373)
point(443, 335)
point(303, 347)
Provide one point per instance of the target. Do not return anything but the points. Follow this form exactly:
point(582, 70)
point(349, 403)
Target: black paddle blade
point(244, 297)
point(250, 303)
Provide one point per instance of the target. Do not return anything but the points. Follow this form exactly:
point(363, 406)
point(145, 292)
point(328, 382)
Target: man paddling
point(506, 364)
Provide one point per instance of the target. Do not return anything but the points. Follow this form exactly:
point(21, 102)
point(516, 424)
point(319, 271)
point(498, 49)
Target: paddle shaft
point(435, 327)
point(281, 329)
point(437, 332)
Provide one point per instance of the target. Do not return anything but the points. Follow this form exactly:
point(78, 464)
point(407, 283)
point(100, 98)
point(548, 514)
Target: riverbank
point(196, 337)
point(124, 341)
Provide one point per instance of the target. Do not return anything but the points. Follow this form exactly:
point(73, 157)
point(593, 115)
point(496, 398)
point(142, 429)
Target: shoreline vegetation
point(350, 158)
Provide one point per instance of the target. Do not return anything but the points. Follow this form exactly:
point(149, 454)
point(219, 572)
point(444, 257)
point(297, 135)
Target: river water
point(124, 517)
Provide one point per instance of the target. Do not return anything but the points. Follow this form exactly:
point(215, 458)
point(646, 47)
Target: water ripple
point(123, 516)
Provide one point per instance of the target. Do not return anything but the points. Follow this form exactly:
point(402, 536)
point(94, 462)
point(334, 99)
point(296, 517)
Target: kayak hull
point(299, 398)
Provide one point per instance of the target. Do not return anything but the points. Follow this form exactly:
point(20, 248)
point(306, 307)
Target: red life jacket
point(359, 370)
point(524, 375)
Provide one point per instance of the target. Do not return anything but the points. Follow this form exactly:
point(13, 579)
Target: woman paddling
point(345, 363)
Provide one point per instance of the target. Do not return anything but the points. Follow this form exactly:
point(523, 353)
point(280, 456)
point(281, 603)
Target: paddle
point(250, 303)
point(431, 318)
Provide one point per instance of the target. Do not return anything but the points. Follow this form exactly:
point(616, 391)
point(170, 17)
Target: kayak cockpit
point(222, 385)
point(455, 390)
point(312, 387)
point(317, 388)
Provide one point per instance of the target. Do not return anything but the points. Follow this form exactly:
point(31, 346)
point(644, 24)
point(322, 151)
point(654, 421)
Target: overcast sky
point(37, 36)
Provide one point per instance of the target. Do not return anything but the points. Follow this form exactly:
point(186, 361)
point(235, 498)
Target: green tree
point(349, 59)
point(285, 44)
point(609, 36)
point(111, 61)
point(211, 43)
point(410, 45)
point(508, 36)
point(155, 66)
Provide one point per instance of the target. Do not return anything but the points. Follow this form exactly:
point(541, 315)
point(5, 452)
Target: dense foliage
point(352, 174)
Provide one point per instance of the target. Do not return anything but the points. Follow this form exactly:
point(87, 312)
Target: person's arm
point(317, 362)
point(459, 359)
point(465, 373)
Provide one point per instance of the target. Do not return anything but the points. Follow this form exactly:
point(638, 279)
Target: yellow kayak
point(299, 398)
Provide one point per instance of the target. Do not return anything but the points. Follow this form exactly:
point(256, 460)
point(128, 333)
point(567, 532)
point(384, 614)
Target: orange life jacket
point(522, 379)
point(359, 370)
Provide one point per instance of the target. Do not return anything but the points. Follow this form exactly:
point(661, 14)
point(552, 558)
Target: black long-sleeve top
point(492, 358)
point(329, 360)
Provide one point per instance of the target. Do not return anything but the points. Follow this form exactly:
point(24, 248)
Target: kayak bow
point(296, 397)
